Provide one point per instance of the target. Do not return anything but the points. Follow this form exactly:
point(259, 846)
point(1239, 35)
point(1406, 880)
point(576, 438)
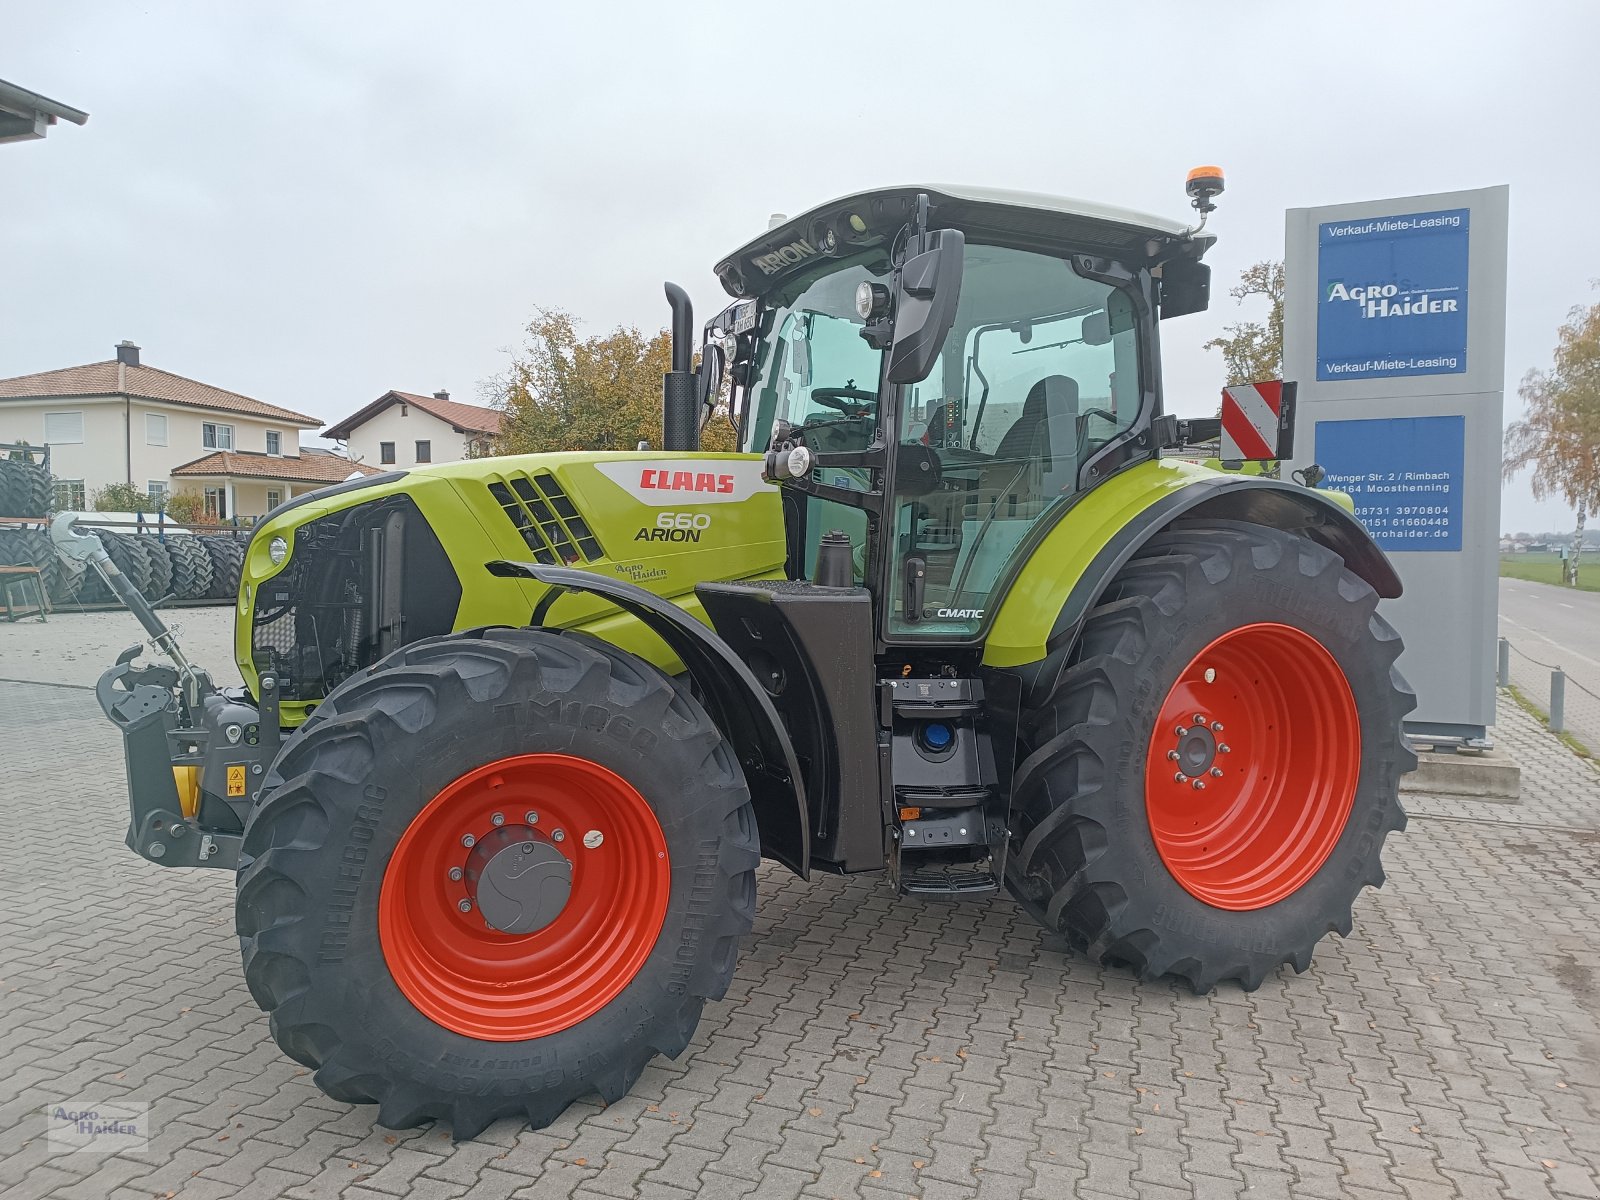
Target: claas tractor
point(516, 732)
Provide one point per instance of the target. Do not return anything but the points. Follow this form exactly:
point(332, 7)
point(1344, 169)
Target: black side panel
point(730, 693)
point(811, 648)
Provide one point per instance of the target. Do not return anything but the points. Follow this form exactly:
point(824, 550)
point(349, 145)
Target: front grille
point(360, 584)
point(546, 519)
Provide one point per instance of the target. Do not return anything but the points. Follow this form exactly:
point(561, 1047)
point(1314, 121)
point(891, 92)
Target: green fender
point(1093, 537)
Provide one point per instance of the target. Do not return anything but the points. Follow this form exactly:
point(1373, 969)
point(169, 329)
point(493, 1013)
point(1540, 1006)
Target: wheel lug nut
point(465, 906)
point(1224, 748)
point(558, 835)
point(531, 817)
point(455, 873)
point(593, 839)
point(1216, 727)
point(1172, 756)
point(1199, 785)
point(468, 840)
point(1181, 730)
point(1199, 719)
point(1180, 777)
point(498, 819)
point(1216, 772)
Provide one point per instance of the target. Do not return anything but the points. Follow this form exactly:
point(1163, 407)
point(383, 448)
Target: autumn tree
point(1253, 350)
point(1559, 434)
point(565, 391)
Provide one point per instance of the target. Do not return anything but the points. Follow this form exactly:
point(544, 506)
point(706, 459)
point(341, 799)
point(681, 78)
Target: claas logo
point(655, 479)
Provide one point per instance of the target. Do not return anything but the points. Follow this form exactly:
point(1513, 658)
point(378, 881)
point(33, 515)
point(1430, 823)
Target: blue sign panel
point(1404, 473)
point(1392, 296)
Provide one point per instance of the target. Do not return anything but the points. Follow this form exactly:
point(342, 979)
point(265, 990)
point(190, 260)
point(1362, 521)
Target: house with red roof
point(121, 421)
point(404, 429)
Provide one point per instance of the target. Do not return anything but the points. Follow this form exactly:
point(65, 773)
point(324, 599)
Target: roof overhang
point(851, 224)
point(26, 116)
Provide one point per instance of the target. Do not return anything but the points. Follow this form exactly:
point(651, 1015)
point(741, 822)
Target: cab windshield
point(812, 369)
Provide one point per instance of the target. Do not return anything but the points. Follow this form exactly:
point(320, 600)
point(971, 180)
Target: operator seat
point(1037, 458)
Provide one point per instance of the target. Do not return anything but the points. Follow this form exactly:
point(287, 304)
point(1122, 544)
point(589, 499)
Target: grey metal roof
point(25, 115)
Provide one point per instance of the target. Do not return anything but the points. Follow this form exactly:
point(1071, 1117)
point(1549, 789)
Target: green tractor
point(517, 732)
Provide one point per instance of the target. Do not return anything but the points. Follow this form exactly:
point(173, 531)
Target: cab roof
point(1029, 219)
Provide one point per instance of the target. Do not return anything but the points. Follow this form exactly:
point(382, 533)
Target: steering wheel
point(836, 397)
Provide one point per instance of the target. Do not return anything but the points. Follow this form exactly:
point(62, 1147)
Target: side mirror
point(1185, 287)
point(928, 288)
point(708, 379)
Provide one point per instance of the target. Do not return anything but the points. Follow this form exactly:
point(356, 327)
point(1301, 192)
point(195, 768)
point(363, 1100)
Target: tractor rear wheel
point(1209, 785)
point(496, 872)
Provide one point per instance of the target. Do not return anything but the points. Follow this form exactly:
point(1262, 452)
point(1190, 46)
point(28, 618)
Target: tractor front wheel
point(1210, 783)
point(494, 873)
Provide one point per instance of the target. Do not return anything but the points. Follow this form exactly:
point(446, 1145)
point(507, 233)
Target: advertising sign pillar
point(1394, 326)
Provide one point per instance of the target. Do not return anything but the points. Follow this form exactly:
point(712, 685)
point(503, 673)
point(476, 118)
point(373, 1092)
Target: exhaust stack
point(680, 405)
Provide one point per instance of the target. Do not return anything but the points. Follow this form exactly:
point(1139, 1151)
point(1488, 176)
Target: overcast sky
point(313, 203)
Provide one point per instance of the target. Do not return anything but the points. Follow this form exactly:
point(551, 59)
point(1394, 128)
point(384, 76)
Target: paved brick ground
point(869, 1047)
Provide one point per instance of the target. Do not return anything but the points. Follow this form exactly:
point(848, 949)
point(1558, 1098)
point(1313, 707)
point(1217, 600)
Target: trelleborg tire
point(350, 910)
point(1210, 783)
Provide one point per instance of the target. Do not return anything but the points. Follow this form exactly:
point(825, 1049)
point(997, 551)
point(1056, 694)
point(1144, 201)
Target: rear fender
point(1042, 614)
point(726, 687)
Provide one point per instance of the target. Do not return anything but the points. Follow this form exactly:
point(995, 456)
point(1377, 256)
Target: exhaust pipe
point(680, 403)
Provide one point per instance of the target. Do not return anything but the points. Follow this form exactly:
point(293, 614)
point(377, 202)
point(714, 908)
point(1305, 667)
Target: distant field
point(1546, 568)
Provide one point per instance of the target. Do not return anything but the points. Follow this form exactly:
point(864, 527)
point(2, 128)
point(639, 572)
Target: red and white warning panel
point(1257, 420)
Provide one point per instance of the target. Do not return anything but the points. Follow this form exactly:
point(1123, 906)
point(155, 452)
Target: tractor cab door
point(1040, 371)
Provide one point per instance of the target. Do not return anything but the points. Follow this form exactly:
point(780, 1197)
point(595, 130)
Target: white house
point(120, 421)
point(401, 429)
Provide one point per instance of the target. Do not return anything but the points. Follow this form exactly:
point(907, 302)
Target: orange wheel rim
point(598, 897)
point(1253, 766)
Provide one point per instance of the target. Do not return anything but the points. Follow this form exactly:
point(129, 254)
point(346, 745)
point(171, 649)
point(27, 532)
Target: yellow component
point(1205, 173)
point(188, 781)
point(857, 223)
point(910, 814)
point(235, 779)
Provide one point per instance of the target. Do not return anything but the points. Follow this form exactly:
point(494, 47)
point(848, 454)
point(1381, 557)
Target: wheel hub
point(1197, 750)
point(519, 881)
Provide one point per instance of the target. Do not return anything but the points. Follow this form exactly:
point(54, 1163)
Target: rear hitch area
point(195, 754)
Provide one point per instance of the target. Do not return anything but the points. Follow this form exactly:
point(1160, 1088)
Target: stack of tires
point(24, 488)
point(227, 560)
point(32, 548)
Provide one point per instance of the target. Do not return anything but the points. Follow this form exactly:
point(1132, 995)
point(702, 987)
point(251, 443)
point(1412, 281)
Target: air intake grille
point(547, 519)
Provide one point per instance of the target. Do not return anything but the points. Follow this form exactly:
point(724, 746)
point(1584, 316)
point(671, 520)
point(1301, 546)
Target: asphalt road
point(1560, 627)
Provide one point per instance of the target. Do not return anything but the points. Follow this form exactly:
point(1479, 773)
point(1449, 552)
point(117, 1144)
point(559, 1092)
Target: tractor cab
point(939, 372)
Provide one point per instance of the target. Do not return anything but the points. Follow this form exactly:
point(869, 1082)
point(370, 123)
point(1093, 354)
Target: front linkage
point(196, 754)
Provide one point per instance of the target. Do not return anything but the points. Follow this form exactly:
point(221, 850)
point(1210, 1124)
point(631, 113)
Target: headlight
point(872, 300)
point(799, 462)
point(277, 550)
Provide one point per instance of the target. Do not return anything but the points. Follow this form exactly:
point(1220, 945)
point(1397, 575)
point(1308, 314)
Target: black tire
point(403, 731)
point(1086, 861)
point(24, 489)
point(227, 559)
point(129, 556)
point(31, 548)
point(160, 556)
point(191, 567)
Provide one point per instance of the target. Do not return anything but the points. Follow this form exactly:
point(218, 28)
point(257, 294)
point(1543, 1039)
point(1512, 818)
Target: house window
point(217, 503)
point(274, 498)
point(61, 428)
point(68, 495)
point(386, 453)
point(216, 437)
point(424, 452)
point(155, 429)
point(156, 489)
point(274, 443)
